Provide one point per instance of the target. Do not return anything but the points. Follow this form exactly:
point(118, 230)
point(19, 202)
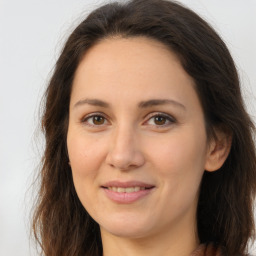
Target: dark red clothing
point(207, 250)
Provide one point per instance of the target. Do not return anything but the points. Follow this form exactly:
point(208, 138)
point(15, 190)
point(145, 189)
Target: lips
point(126, 192)
point(127, 184)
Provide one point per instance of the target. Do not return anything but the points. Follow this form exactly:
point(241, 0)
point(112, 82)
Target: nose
point(124, 150)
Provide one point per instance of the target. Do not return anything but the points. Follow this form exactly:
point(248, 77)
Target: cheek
point(86, 156)
point(180, 159)
point(186, 147)
point(85, 153)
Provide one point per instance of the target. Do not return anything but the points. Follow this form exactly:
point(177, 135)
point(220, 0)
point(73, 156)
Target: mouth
point(127, 192)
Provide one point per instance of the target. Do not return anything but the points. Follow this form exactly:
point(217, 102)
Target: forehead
point(129, 67)
point(127, 54)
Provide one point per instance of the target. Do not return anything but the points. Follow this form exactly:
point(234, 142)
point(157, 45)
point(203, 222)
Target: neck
point(180, 240)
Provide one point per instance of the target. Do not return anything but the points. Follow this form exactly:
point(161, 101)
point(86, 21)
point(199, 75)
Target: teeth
point(137, 189)
point(126, 190)
point(129, 190)
point(120, 190)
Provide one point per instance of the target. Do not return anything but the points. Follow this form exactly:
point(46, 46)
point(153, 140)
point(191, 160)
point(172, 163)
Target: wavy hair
point(61, 225)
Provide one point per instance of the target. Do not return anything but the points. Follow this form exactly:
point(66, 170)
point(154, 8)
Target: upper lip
point(127, 184)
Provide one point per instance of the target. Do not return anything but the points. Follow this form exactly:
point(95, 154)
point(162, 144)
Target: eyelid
point(169, 117)
point(86, 117)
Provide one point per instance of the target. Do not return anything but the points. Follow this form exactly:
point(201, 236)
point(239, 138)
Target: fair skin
point(117, 133)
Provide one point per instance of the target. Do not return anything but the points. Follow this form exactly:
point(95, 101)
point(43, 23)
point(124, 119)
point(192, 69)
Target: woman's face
point(136, 138)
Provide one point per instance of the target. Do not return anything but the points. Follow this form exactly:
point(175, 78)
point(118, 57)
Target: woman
point(149, 149)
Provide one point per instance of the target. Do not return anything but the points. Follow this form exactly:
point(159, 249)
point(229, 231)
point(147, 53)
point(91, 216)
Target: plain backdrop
point(32, 33)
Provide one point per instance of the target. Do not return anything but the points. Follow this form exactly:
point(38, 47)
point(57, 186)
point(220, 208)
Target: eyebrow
point(157, 102)
point(93, 102)
point(142, 104)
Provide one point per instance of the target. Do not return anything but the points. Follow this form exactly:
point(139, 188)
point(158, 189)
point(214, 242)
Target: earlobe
point(218, 151)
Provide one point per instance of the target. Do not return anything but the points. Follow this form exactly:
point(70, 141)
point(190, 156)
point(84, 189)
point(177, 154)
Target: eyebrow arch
point(142, 104)
point(157, 102)
point(93, 102)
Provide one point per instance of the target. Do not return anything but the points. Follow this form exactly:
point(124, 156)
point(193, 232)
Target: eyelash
point(86, 118)
point(169, 119)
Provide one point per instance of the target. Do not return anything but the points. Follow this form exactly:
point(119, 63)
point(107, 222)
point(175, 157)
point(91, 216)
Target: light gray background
point(31, 35)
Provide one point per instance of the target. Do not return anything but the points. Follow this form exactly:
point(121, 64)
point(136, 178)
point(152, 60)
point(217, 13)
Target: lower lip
point(126, 198)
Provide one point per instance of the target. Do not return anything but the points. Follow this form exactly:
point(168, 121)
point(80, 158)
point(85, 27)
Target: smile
point(126, 190)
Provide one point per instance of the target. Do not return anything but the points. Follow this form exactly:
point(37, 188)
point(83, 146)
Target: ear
point(218, 150)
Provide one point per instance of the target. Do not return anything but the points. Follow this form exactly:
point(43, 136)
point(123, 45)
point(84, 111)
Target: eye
point(160, 119)
point(94, 120)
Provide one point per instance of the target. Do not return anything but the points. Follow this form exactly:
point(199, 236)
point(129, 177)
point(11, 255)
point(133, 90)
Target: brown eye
point(98, 120)
point(95, 120)
point(160, 120)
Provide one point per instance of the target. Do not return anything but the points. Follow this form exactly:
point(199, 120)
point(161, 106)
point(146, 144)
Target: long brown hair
point(225, 209)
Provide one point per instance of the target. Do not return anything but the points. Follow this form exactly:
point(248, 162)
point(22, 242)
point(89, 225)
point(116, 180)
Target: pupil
point(98, 120)
point(160, 120)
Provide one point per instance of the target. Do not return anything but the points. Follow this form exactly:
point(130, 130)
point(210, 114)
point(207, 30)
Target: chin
point(126, 228)
point(131, 233)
